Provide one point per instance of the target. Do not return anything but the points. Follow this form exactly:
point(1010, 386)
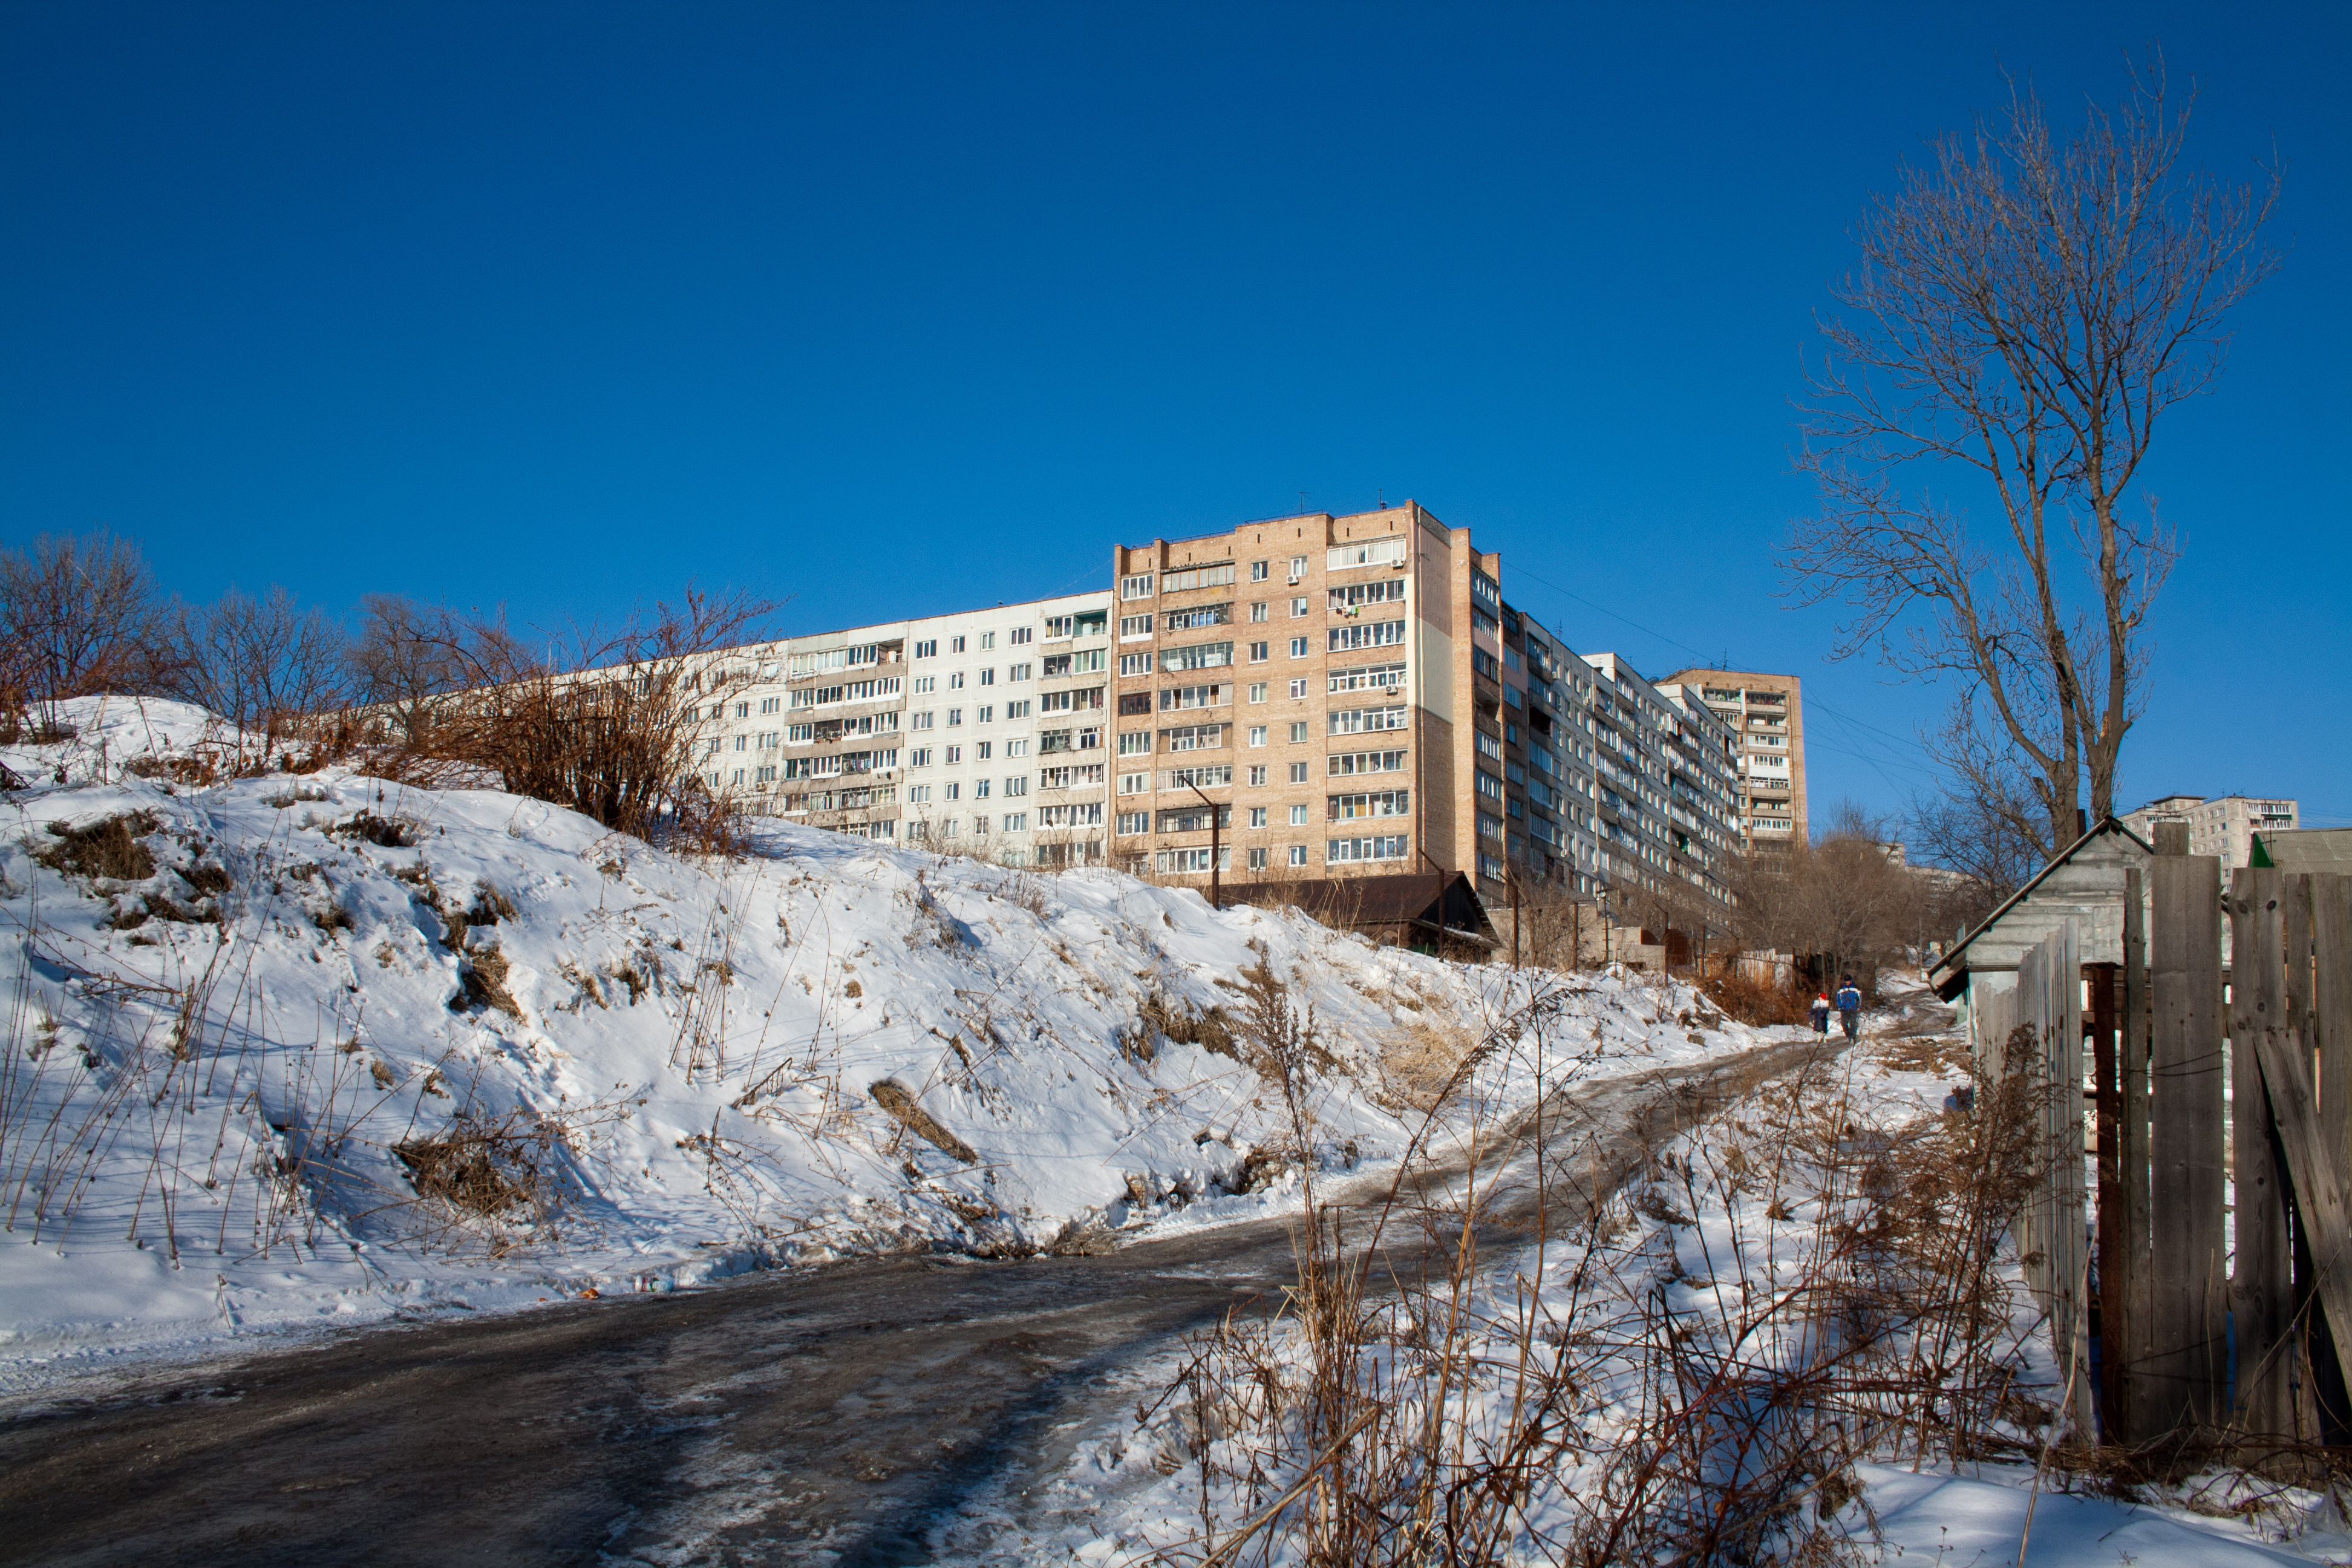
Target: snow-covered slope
point(306, 1050)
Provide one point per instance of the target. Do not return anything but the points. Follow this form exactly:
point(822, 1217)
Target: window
point(1257, 816)
point(1372, 553)
point(1297, 567)
point(922, 684)
point(1484, 590)
point(1344, 764)
point(799, 734)
point(979, 789)
point(1020, 635)
point(1202, 775)
point(1391, 847)
point(1257, 735)
point(1017, 711)
point(1134, 664)
point(769, 704)
point(1258, 859)
point(951, 789)
point(1200, 655)
point(1298, 854)
point(955, 717)
point(1258, 653)
point(1014, 672)
point(1375, 633)
point(1356, 595)
point(1133, 822)
point(955, 644)
point(1194, 738)
point(1174, 698)
point(1297, 816)
point(955, 681)
point(1259, 569)
point(1299, 648)
point(1376, 803)
point(921, 757)
point(1078, 777)
point(1257, 775)
point(918, 794)
point(927, 648)
point(1298, 608)
point(1134, 742)
point(980, 752)
point(1135, 783)
point(1489, 785)
point(743, 709)
point(1134, 627)
point(1016, 822)
point(1298, 689)
point(1298, 731)
point(1257, 613)
point(1298, 773)
point(1369, 677)
point(1488, 746)
point(1088, 813)
point(955, 755)
point(986, 714)
point(1363, 720)
point(1193, 819)
point(1257, 691)
point(1198, 616)
point(1221, 576)
point(1072, 701)
point(1181, 860)
point(741, 742)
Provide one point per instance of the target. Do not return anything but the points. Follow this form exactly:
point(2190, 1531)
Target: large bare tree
point(2023, 313)
point(79, 614)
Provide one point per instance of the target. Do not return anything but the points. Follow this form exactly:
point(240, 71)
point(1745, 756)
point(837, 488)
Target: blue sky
point(893, 309)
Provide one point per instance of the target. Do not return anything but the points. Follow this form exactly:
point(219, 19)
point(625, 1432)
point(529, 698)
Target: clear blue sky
point(894, 310)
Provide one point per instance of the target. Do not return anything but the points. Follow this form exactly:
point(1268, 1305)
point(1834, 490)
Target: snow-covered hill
point(293, 1050)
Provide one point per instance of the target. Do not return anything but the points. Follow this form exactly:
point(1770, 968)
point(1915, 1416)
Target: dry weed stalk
point(1810, 1291)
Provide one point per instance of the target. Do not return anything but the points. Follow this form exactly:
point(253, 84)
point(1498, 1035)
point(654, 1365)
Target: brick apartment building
point(1767, 713)
point(1353, 693)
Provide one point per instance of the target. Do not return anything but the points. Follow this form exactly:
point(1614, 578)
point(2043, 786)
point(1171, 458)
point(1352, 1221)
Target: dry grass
point(108, 849)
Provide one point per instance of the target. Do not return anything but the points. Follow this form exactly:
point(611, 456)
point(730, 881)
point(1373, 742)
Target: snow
point(211, 1065)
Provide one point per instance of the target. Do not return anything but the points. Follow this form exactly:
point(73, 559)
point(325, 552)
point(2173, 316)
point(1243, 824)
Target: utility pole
point(1215, 903)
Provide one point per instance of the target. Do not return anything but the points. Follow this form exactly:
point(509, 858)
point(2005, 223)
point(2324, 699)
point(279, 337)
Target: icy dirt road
point(839, 1415)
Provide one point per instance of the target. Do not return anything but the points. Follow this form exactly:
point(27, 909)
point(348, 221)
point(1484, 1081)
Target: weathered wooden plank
point(2286, 1075)
point(2331, 1027)
point(2070, 1214)
point(2305, 1323)
point(2262, 1288)
point(2128, 1343)
point(2104, 981)
point(2186, 1366)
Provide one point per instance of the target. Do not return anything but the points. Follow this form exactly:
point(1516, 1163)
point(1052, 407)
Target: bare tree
point(2026, 311)
point(409, 657)
point(79, 614)
point(258, 662)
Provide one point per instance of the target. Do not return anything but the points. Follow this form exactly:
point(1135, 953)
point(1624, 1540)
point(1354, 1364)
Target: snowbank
point(307, 1050)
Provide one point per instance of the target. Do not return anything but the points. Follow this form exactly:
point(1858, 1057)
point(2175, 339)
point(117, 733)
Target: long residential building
point(982, 730)
point(1345, 693)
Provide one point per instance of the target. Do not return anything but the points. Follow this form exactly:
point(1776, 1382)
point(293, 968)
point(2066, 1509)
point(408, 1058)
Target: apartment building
point(981, 730)
point(1768, 714)
point(1324, 694)
point(2222, 825)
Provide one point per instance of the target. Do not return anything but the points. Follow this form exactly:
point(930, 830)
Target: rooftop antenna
point(1302, 501)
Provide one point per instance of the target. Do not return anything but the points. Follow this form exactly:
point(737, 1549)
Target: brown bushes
point(104, 849)
point(495, 1168)
point(902, 1108)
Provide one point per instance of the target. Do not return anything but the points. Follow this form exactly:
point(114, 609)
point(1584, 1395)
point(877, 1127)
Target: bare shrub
point(258, 662)
point(610, 728)
point(79, 614)
point(110, 848)
point(509, 1167)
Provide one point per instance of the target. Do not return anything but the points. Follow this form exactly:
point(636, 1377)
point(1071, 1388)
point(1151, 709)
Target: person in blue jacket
point(1849, 1006)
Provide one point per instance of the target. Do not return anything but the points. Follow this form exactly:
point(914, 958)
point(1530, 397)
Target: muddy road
point(837, 1415)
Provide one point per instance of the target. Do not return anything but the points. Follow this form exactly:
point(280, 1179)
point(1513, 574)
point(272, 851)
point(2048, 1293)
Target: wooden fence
point(2211, 1087)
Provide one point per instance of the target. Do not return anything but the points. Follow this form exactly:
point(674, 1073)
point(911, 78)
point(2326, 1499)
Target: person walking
point(1821, 1014)
point(1849, 1006)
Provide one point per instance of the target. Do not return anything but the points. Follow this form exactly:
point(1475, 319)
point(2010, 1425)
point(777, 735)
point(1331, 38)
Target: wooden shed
point(2084, 883)
point(1426, 911)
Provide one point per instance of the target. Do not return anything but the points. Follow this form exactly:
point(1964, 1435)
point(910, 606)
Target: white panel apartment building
point(982, 731)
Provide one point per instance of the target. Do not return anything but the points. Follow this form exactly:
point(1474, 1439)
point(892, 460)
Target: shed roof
point(2305, 850)
point(2084, 880)
point(1441, 905)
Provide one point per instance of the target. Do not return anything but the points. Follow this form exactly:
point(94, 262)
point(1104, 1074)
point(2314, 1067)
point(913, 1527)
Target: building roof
point(1440, 904)
point(2084, 881)
point(2304, 849)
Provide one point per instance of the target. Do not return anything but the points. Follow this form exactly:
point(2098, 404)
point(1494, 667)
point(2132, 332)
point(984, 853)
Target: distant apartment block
point(2222, 825)
point(1767, 713)
point(983, 730)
